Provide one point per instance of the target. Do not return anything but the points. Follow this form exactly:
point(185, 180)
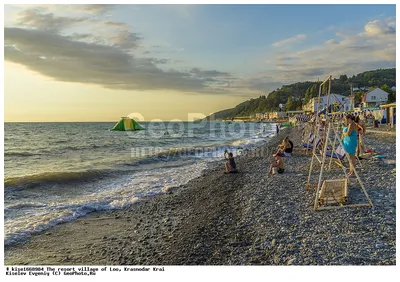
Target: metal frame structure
point(328, 130)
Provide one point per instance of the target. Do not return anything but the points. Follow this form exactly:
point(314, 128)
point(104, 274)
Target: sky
point(100, 62)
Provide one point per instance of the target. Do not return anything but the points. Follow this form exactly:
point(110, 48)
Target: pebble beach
point(245, 218)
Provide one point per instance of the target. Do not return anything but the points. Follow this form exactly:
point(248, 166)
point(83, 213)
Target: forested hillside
point(297, 94)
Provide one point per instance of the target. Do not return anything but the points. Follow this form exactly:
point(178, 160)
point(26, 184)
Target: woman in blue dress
point(350, 141)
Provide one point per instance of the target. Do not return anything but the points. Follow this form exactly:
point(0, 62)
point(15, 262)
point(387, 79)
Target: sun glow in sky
point(101, 62)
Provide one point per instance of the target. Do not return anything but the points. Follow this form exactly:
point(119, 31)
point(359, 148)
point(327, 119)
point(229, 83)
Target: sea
point(58, 172)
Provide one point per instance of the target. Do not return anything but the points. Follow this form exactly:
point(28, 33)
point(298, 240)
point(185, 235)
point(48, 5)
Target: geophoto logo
point(196, 126)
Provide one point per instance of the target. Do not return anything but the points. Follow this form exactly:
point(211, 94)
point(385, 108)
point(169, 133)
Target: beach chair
point(308, 145)
point(339, 154)
point(333, 191)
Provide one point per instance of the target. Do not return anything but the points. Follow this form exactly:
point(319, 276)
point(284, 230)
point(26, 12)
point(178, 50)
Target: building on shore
point(318, 104)
point(374, 98)
point(259, 116)
point(293, 113)
point(277, 115)
point(390, 113)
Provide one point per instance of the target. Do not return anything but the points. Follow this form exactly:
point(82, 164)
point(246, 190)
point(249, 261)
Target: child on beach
point(230, 166)
point(276, 165)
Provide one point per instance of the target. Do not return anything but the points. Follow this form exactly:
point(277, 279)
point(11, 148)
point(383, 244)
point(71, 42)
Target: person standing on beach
point(350, 141)
point(360, 136)
point(277, 128)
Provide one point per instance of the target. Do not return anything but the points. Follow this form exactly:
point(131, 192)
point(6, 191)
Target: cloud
point(125, 39)
point(34, 18)
point(378, 27)
point(92, 8)
point(65, 59)
point(290, 41)
point(116, 24)
point(332, 41)
point(208, 73)
point(37, 18)
point(350, 53)
point(160, 61)
point(118, 33)
point(285, 58)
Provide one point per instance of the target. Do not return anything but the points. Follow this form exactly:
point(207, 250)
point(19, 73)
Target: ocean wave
point(21, 229)
point(55, 149)
point(21, 154)
point(31, 181)
point(19, 206)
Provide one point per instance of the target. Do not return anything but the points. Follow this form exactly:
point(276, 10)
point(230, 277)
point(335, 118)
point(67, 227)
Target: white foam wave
point(115, 195)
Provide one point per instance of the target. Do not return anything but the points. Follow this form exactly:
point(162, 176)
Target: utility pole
point(351, 97)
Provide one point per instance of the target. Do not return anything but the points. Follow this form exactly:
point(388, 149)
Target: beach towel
point(339, 153)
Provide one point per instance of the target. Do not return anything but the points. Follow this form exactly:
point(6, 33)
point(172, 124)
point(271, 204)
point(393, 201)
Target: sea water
point(57, 172)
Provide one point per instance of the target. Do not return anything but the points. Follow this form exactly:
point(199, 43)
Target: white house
point(343, 102)
point(374, 98)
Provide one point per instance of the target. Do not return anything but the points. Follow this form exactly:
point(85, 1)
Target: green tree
point(299, 104)
point(392, 97)
point(358, 97)
point(343, 78)
point(387, 89)
point(290, 104)
point(314, 91)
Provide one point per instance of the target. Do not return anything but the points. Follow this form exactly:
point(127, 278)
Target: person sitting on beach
point(286, 148)
point(230, 166)
point(276, 165)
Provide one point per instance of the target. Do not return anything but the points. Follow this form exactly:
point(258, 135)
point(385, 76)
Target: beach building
point(294, 113)
point(259, 115)
point(343, 102)
point(277, 115)
point(390, 113)
point(374, 98)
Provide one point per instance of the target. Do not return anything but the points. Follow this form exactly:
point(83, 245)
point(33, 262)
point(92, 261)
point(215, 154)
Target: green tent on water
point(127, 124)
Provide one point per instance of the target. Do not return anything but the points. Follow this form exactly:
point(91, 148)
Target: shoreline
point(237, 219)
